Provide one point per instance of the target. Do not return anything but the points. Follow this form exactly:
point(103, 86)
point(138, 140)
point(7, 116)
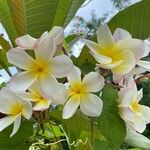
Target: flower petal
point(26, 109)
point(74, 76)
point(42, 105)
point(127, 65)
point(21, 81)
point(57, 33)
point(121, 34)
point(139, 95)
point(19, 58)
point(61, 66)
point(6, 121)
point(71, 107)
point(91, 105)
point(93, 81)
point(45, 49)
point(25, 41)
point(16, 124)
point(144, 64)
point(104, 36)
point(145, 113)
point(134, 45)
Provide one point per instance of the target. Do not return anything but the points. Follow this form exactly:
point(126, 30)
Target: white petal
point(134, 45)
point(42, 105)
point(57, 33)
point(140, 124)
point(26, 96)
point(93, 81)
point(71, 107)
point(121, 34)
point(21, 81)
point(147, 49)
point(110, 66)
point(45, 49)
point(6, 121)
point(137, 140)
point(104, 36)
point(61, 66)
point(74, 75)
point(91, 105)
point(118, 79)
point(26, 109)
point(127, 65)
point(25, 41)
point(16, 124)
point(95, 49)
point(19, 58)
point(139, 95)
point(48, 85)
point(145, 113)
point(144, 64)
point(7, 100)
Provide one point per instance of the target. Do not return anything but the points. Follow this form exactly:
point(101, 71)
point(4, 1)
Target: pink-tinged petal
point(16, 125)
point(74, 75)
point(127, 65)
point(26, 109)
point(145, 113)
point(118, 79)
point(140, 124)
point(104, 36)
point(144, 64)
point(21, 81)
point(93, 82)
point(42, 105)
point(71, 107)
point(110, 66)
point(61, 66)
point(25, 41)
point(19, 58)
point(121, 34)
point(48, 85)
point(91, 105)
point(45, 49)
point(57, 33)
point(6, 121)
point(134, 45)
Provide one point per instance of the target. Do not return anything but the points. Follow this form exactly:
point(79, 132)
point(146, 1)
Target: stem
point(6, 68)
point(92, 133)
point(65, 52)
point(59, 146)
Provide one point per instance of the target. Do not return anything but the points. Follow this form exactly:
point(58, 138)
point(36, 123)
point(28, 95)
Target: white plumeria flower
point(134, 114)
point(42, 99)
point(43, 68)
point(143, 66)
point(14, 107)
point(137, 140)
point(80, 93)
point(118, 55)
point(28, 42)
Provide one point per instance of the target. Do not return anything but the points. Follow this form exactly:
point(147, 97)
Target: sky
point(99, 6)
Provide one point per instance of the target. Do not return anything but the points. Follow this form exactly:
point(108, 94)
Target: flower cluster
point(35, 87)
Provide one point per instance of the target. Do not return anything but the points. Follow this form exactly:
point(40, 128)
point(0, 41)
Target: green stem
point(6, 68)
point(92, 133)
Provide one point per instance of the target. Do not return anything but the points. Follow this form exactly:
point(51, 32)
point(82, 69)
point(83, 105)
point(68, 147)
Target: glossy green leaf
point(134, 19)
point(19, 140)
point(109, 123)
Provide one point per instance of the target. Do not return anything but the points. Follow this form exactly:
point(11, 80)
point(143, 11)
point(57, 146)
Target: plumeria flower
point(142, 66)
point(117, 55)
point(137, 140)
point(14, 107)
point(134, 114)
point(81, 93)
point(42, 99)
point(28, 42)
point(43, 69)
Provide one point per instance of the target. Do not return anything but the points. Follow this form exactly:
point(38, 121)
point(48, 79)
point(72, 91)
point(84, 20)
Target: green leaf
point(19, 140)
point(134, 19)
point(109, 123)
point(35, 17)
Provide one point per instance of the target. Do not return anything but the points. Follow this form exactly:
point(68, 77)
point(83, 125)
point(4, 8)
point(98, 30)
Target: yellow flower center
point(16, 109)
point(136, 107)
